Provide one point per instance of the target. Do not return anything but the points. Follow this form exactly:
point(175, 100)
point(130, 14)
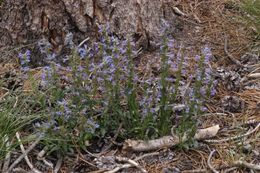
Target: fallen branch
point(20, 158)
point(26, 157)
point(209, 162)
point(167, 141)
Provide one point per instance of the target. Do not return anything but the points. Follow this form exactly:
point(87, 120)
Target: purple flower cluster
point(64, 109)
point(25, 59)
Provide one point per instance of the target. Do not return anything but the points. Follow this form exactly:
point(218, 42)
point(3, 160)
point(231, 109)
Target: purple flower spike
point(207, 53)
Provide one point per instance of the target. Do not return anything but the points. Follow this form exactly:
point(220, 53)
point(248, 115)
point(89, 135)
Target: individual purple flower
point(202, 91)
point(109, 61)
point(213, 91)
point(80, 68)
point(183, 72)
point(25, 69)
point(44, 80)
point(25, 58)
point(197, 58)
point(63, 102)
point(82, 52)
point(51, 56)
point(59, 113)
point(203, 108)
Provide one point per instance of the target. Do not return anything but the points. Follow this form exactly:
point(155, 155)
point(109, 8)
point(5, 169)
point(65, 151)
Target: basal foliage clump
point(96, 91)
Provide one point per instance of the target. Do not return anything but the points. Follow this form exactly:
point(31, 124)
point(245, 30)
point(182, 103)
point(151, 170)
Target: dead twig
point(254, 75)
point(230, 169)
point(20, 158)
point(209, 162)
point(26, 157)
point(125, 166)
point(234, 137)
point(247, 165)
point(84, 41)
point(147, 155)
point(99, 171)
point(41, 158)
point(7, 157)
point(132, 162)
point(21, 170)
point(214, 114)
point(129, 163)
point(195, 171)
point(176, 10)
point(58, 165)
point(229, 55)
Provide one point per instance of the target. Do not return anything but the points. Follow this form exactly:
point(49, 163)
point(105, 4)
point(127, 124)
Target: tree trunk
point(28, 21)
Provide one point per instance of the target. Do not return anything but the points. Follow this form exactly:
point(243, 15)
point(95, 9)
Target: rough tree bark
point(27, 21)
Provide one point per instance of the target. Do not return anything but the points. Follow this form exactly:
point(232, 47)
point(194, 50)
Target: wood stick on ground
point(254, 75)
point(167, 141)
point(209, 162)
point(230, 169)
point(130, 163)
point(26, 157)
point(195, 171)
point(21, 170)
point(20, 158)
point(234, 137)
point(7, 157)
point(234, 60)
point(83, 42)
point(147, 155)
point(247, 165)
point(41, 158)
point(178, 11)
point(125, 166)
point(58, 165)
